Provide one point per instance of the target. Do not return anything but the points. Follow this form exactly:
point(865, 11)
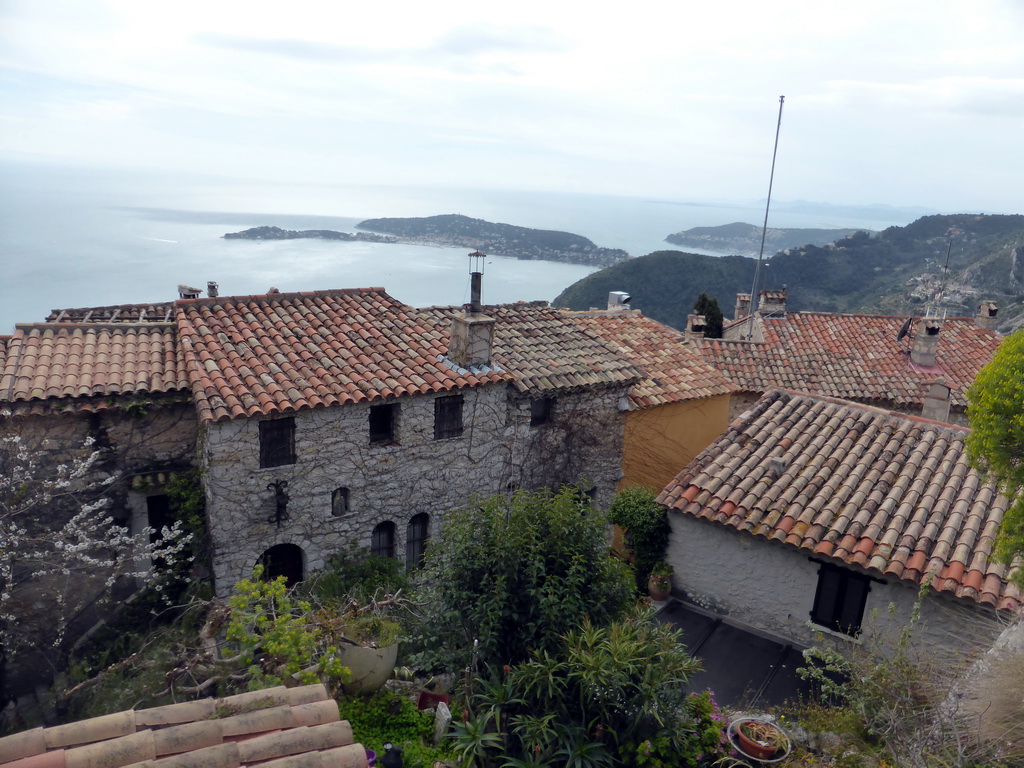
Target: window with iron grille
point(382, 542)
point(277, 442)
point(416, 535)
point(339, 502)
point(840, 599)
point(448, 417)
point(382, 423)
point(542, 411)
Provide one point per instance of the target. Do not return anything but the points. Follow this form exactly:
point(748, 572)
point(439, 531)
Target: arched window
point(283, 560)
point(416, 536)
point(383, 540)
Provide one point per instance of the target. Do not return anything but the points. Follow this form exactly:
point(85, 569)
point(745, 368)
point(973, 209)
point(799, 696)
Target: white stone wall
point(498, 452)
point(770, 586)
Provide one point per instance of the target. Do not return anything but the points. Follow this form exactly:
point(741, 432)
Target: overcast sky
point(891, 101)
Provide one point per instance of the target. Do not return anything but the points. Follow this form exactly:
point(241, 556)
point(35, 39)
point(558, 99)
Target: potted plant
point(659, 583)
point(760, 739)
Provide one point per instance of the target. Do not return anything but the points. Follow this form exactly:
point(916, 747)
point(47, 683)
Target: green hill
point(895, 271)
point(497, 239)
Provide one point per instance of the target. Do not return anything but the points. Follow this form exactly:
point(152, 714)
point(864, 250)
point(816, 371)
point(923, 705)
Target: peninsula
point(745, 239)
point(276, 233)
point(497, 239)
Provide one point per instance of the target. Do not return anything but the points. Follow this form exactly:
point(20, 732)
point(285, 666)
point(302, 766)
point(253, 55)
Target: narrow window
point(542, 411)
point(416, 536)
point(448, 417)
point(382, 423)
point(277, 442)
point(840, 599)
point(339, 502)
point(158, 515)
point(382, 543)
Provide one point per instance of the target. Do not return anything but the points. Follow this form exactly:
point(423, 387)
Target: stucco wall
point(771, 586)
point(660, 441)
point(498, 452)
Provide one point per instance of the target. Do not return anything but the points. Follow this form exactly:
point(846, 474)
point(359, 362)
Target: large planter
point(370, 667)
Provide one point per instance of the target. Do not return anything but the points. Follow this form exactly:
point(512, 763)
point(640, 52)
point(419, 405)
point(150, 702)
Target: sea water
point(77, 238)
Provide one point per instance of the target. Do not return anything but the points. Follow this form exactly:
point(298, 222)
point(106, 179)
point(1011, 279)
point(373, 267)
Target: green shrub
point(508, 576)
point(645, 527)
point(389, 717)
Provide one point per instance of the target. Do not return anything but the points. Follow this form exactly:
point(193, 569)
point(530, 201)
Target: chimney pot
point(987, 312)
point(188, 292)
point(618, 301)
point(926, 342)
point(212, 289)
point(742, 306)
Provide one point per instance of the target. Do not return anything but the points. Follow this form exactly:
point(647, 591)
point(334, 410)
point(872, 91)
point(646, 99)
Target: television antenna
point(764, 229)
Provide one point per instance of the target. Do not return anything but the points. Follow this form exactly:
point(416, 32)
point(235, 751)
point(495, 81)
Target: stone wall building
point(810, 516)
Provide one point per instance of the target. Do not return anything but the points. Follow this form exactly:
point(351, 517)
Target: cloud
point(306, 50)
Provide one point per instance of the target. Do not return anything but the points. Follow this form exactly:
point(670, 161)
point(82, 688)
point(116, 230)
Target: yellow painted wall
point(661, 441)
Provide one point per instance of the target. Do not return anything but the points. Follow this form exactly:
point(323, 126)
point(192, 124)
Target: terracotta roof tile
point(253, 355)
point(51, 361)
point(672, 371)
point(286, 723)
point(882, 490)
point(158, 312)
point(545, 349)
point(854, 357)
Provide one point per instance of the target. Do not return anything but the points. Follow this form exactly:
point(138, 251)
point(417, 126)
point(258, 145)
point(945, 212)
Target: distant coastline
point(276, 233)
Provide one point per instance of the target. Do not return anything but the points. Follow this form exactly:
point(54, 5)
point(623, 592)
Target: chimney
point(188, 292)
point(926, 341)
point(618, 301)
point(742, 306)
point(212, 289)
point(987, 312)
point(772, 303)
point(936, 402)
point(695, 325)
point(472, 334)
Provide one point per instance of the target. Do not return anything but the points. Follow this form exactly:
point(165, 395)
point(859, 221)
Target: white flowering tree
point(61, 552)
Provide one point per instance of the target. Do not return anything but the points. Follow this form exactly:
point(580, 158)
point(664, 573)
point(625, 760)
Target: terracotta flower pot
point(761, 741)
point(659, 587)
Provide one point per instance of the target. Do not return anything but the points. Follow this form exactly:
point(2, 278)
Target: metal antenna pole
point(764, 229)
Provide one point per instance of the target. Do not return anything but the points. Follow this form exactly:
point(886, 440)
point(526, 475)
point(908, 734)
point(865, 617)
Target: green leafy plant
point(277, 638)
point(645, 528)
point(390, 717)
point(603, 697)
point(508, 576)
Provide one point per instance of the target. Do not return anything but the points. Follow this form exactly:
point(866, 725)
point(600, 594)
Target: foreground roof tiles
point(257, 355)
point(544, 350)
point(275, 728)
point(673, 372)
point(51, 361)
point(870, 488)
point(855, 357)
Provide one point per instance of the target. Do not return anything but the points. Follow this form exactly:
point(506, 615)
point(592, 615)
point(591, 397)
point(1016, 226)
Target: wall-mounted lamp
point(280, 501)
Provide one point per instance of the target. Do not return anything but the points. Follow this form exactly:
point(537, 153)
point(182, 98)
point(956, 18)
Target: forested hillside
point(896, 271)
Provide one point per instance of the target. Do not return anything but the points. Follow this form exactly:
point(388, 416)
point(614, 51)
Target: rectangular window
point(542, 411)
point(339, 502)
point(840, 599)
point(382, 423)
point(448, 417)
point(277, 442)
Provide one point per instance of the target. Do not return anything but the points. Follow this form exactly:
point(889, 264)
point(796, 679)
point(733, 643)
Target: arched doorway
point(283, 560)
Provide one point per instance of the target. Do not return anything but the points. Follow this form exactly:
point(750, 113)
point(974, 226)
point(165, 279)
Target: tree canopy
point(713, 317)
point(996, 443)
